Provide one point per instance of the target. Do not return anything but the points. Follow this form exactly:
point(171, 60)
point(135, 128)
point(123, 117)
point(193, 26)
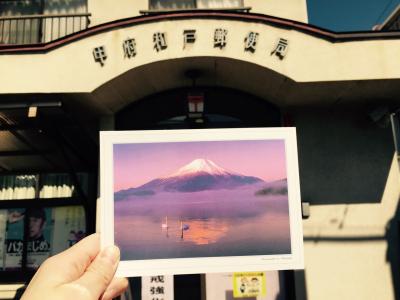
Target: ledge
point(167, 11)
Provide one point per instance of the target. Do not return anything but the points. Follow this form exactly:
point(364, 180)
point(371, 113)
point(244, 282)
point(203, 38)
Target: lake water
point(216, 223)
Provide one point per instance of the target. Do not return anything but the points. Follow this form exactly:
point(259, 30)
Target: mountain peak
point(201, 165)
point(199, 175)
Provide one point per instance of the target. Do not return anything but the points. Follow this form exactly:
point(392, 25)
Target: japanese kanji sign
point(281, 48)
point(100, 55)
point(129, 47)
point(220, 38)
point(158, 287)
point(159, 40)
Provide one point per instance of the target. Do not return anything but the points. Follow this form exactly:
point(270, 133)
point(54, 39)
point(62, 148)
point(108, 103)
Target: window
point(219, 3)
point(11, 27)
point(39, 21)
point(58, 185)
point(194, 4)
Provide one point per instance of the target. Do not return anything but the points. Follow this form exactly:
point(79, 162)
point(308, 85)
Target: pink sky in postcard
point(137, 164)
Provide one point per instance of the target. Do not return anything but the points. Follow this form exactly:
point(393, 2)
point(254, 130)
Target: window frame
point(152, 10)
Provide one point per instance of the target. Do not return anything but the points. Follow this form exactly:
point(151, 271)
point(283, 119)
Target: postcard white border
point(202, 264)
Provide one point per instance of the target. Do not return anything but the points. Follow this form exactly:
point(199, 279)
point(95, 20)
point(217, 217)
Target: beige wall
point(71, 68)
point(104, 11)
point(9, 291)
point(288, 9)
point(349, 173)
point(351, 269)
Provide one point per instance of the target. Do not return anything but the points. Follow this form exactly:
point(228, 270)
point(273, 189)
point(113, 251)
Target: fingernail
point(111, 253)
point(108, 295)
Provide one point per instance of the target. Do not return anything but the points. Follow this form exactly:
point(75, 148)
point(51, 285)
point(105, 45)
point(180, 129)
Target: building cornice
point(315, 31)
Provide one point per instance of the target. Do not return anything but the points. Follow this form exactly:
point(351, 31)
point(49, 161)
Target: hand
point(15, 216)
point(81, 272)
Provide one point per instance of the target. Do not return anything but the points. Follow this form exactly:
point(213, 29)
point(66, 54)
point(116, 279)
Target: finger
point(115, 289)
point(70, 264)
point(99, 274)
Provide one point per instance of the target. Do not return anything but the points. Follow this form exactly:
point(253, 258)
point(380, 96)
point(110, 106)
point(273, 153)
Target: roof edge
point(315, 31)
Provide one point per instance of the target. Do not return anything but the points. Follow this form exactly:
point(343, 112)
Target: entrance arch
point(223, 108)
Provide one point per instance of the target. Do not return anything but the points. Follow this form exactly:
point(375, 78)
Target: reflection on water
point(198, 232)
point(224, 223)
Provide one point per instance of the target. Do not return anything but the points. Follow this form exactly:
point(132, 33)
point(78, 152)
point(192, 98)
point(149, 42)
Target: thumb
point(100, 272)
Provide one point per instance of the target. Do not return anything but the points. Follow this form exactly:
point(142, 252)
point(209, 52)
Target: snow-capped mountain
point(198, 175)
point(202, 165)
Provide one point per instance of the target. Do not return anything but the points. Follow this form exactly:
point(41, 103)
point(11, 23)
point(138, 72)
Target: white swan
point(165, 225)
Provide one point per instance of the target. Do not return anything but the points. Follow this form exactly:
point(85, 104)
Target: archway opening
point(223, 108)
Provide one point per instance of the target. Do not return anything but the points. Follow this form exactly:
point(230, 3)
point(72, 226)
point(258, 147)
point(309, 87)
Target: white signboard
point(159, 287)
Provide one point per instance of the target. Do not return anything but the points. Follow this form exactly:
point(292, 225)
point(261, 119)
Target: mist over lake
point(251, 220)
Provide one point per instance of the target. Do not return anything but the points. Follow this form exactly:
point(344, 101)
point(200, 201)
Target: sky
point(137, 164)
point(349, 15)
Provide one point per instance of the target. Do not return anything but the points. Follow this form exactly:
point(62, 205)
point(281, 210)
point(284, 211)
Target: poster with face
point(245, 285)
point(49, 231)
point(201, 201)
point(40, 230)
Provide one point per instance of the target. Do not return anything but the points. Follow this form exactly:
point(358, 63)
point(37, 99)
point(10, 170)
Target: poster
point(14, 239)
point(245, 286)
point(201, 201)
point(50, 231)
point(3, 226)
point(249, 284)
point(40, 231)
point(69, 227)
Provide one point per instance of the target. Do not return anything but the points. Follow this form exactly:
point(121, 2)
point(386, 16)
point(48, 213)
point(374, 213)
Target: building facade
point(73, 68)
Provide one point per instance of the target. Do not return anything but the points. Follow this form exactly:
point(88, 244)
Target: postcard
point(201, 201)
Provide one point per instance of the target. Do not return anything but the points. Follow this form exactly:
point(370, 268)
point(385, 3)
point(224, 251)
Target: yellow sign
point(249, 284)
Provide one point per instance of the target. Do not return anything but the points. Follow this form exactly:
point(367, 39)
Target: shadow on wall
point(391, 236)
point(229, 296)
point(19, 293)
point(300, 292)
point(393, 250)
point(344, 157)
